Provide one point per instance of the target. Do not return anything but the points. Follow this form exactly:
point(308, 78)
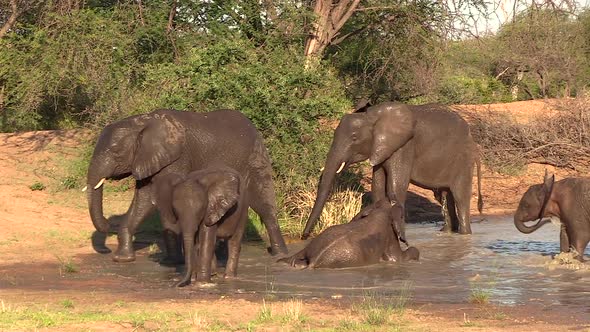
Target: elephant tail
point(479, 197)
point(298, 260)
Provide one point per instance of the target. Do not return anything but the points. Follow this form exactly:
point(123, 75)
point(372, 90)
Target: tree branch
point(171, 16)
point(11, 19)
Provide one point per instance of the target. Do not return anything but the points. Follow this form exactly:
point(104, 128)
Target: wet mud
point(510, 268)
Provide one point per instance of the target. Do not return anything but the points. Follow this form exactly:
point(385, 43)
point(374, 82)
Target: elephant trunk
point(94, 195)
point(332, 168)
point(519, 223)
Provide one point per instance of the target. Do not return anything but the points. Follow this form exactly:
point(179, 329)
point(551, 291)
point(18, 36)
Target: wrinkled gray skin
point(165, 141)
point(369, 238)
point(428, 145)
point(209, 203)
point(568, 200)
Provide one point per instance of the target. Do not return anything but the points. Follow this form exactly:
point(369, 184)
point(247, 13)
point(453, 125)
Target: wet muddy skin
point(508, 266)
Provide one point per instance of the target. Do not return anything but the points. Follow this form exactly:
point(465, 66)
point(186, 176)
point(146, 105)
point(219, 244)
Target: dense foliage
point(66, 63)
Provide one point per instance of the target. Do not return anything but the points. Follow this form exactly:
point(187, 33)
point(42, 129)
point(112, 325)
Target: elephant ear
point(548, 182)
point(158, 144)
point(222, 196)
point(393, 128)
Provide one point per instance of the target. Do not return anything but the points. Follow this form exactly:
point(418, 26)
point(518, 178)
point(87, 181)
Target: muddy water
point(497, 260)
point(508, 267)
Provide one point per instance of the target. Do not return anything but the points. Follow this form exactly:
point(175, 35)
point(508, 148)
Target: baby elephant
point(568, 200)
point(208, 202)
point(369, 238)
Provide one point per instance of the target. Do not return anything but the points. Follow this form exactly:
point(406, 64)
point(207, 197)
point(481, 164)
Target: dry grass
point(560, 138)
point(340, 208)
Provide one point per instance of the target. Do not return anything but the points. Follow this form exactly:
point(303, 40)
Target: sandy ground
point(44, 231)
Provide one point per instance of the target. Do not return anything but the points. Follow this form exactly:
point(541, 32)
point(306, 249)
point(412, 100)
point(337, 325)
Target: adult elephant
point(427, 145)
point(152, 145)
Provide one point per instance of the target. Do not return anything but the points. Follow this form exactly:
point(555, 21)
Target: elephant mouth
point(533, 223)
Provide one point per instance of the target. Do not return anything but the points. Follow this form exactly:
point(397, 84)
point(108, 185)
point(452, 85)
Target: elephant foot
point(275, 250)
point(304, 236)
point(465, 231)
point(230, 276)
point(446, 229)
point(124, 255)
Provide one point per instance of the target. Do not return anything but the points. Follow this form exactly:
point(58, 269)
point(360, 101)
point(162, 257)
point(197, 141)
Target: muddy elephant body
point(368, 239)
point(162, 142)
point(427, 145)
point(204, 206)
point(568, 200)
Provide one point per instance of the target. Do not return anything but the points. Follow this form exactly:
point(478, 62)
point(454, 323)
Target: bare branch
point(15, 13)
point(171, 16)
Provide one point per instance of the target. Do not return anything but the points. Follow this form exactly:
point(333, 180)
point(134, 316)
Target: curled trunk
point(520, 225)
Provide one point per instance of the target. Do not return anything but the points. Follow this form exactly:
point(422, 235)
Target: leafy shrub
point(269, 85)
point(472, 90)
point(37, 186)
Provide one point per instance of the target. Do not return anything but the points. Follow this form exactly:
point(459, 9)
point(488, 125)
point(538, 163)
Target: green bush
point(461, 89)
point(269, 85)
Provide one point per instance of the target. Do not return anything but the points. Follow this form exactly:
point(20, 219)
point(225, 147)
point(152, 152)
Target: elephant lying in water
point(370, 237)
point(566, 199)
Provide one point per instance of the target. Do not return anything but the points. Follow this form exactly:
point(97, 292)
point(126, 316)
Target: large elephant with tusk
point(153, 145)
point(427, 145)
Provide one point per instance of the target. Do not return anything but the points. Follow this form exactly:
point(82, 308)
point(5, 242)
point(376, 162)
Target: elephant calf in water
point(369, 238)
point(204, 205)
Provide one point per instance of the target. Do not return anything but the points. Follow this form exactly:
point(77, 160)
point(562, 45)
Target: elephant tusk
point(322, 169)
point(99, 183)
point(341, 167)
point(84, 189)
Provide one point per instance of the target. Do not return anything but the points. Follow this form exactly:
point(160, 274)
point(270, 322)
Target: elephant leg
point(462, 196)
point(398, 170)
point(449, 209)
point(190, 252)
point(207, 238)
point(173, 243)
point(580, 246)
point(378, 184)
point(140, 208)
point(443, 199)
point(235, 246)
point(262, 199)
point(564, 241)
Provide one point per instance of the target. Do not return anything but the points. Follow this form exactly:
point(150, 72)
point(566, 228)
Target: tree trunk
point(11, 19)
point(329, 19)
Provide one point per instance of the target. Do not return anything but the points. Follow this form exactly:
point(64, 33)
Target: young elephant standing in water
point(568, 200)
point(204, 205)
point(369, 238)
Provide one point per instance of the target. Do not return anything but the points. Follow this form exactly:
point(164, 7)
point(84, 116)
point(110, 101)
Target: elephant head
point(140, 146)
point(223, 192)
point(373, 133)
point(532, 205)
